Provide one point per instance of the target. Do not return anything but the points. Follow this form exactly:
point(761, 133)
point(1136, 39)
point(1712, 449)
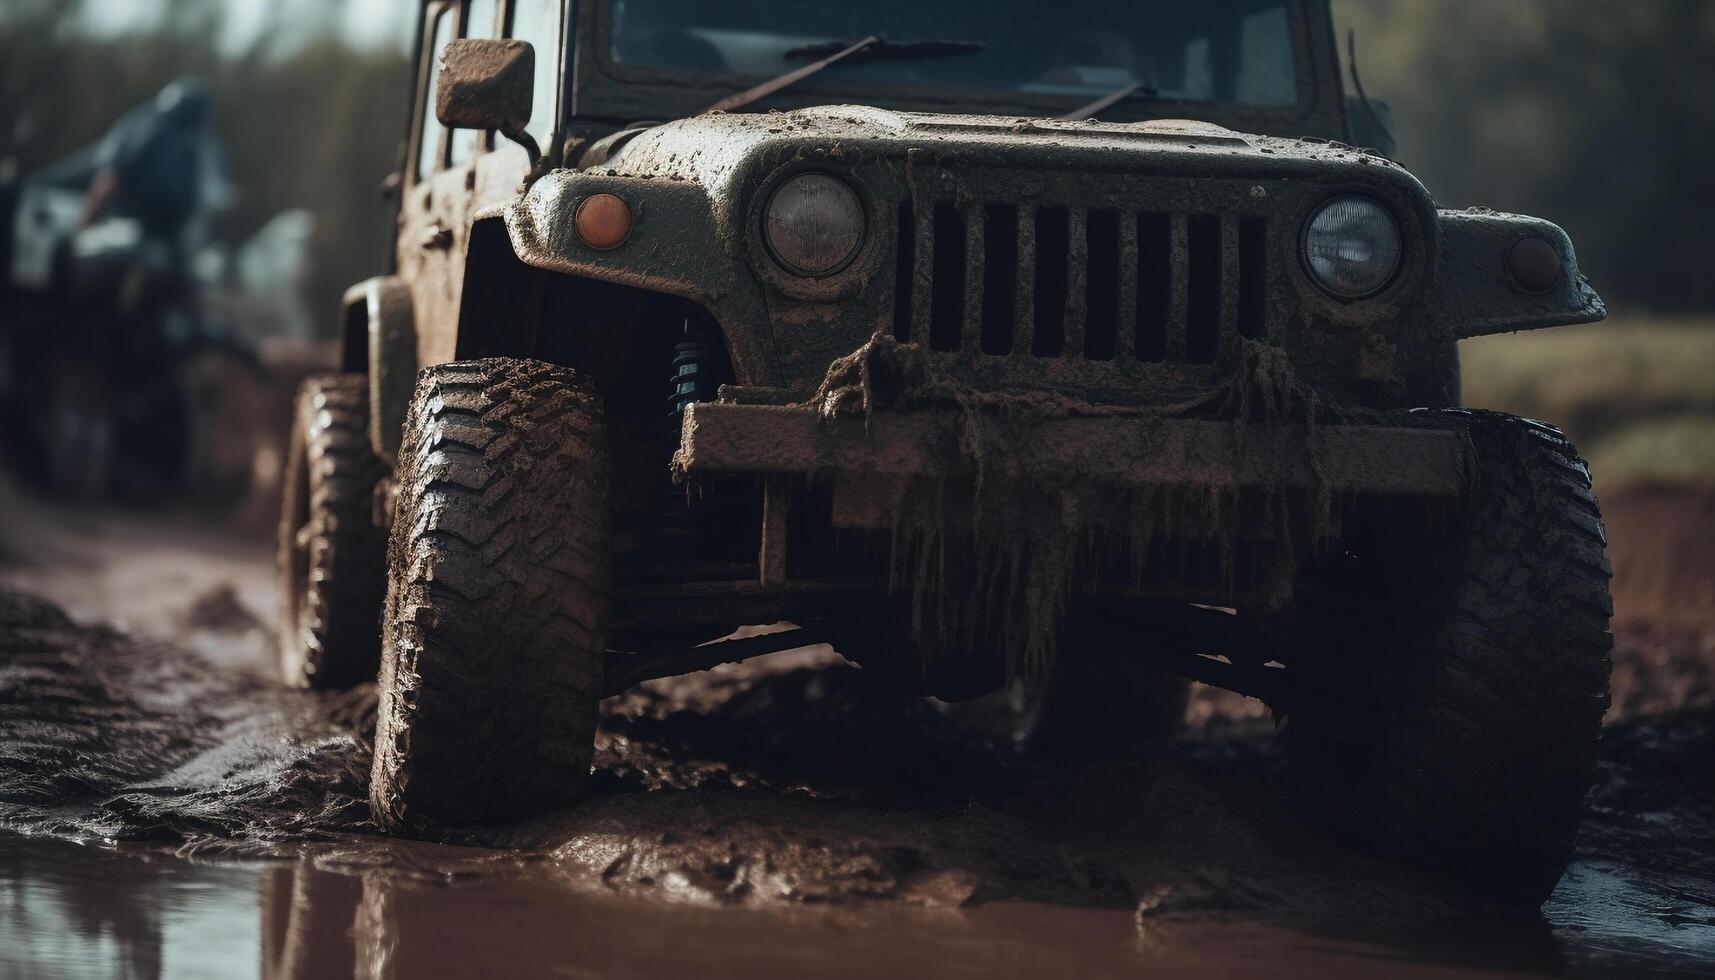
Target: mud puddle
point(64, 909)
point(783, 816)
point(166, 808)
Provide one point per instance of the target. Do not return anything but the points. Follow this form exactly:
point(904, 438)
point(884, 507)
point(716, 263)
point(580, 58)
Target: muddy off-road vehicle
point(988, 345)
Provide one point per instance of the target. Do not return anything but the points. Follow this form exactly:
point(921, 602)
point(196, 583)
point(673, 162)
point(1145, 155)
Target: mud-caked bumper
point(870, 460)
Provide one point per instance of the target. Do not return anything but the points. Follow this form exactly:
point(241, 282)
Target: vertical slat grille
point(1098, 285)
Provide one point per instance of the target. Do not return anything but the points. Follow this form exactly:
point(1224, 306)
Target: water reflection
point(68, 910)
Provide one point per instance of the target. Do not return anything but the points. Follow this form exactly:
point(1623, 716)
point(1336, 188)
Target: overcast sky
point(363, 22)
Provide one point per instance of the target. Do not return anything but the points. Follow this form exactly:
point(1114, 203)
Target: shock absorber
point(680, 528)
point(693, 370)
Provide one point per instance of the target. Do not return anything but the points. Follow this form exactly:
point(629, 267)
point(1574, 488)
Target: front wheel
point(498, 598)
point(1455, 698)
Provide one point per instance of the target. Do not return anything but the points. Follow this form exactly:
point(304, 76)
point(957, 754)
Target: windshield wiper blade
point(1106, 102)
point(875, 46)
point(885, 50)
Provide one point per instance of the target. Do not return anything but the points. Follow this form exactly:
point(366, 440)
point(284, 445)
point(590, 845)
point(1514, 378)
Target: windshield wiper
point(1136, 90)
point(874, 47)
point(885, 50)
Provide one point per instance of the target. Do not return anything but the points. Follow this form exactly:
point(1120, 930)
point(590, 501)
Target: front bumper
point(870, 461)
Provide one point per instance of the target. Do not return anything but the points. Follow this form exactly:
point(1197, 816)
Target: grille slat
point(1227, 337)
point(922, 275)
point(1089, 284)
point(976, 265)
point(1178, 277)
point(1077, 283)
point(1125, 335)
point(1024, 318)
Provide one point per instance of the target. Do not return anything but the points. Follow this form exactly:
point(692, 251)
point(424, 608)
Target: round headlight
point(1352, 246)
point(814, 224)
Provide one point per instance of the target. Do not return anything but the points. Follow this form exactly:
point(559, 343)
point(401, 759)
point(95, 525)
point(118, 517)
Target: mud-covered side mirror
point(488, 83)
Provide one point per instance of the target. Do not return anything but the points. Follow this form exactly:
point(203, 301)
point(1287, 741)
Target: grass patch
point(1637, 395)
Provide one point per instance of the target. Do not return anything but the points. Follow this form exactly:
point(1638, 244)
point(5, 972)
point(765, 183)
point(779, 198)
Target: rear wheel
point(1453, 701)
point(497, 603)
point(332, 556)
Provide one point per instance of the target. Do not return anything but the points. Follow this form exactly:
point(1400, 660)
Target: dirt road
point(785, 816)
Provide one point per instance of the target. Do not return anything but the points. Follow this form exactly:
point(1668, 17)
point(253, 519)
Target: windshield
point(1230, 51)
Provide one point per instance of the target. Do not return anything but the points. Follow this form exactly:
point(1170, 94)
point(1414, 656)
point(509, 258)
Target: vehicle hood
point(713, 149)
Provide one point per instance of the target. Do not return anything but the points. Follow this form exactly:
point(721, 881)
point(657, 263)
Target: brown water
point(71, 910)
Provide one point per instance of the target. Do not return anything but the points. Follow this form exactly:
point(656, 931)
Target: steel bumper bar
point(889, 446)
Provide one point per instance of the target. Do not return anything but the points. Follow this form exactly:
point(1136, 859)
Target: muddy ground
point(797, 786)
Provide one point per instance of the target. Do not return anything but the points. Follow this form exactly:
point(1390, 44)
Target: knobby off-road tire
point(497, 601)
point(332, 556)
point(1475, 677)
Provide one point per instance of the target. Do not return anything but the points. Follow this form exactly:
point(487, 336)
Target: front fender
point(679, 245)
point(1475, 294)
point(380, 337)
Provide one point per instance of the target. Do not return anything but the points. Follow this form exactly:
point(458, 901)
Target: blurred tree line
point(314, 124)
point(1598, 114)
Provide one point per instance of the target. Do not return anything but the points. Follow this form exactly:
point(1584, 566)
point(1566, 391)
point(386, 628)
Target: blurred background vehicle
point(117, 380)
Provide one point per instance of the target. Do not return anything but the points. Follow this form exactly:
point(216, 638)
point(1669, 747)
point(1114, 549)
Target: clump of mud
point(1002, 529)
point(102, 735)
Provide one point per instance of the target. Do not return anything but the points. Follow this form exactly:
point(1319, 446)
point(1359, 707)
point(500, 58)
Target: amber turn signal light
point(602, 221)
point(1534, 265)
